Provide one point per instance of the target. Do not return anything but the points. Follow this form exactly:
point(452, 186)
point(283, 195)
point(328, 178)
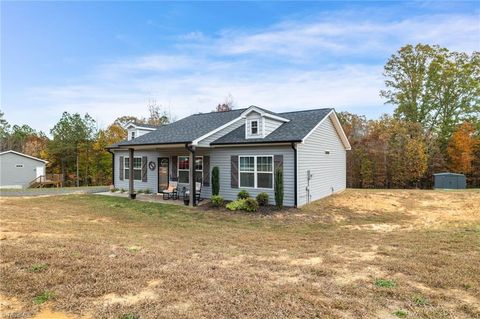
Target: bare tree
point(227, 105)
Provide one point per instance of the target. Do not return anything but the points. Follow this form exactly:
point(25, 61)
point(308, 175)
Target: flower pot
point(186, 201)
point(133, 196)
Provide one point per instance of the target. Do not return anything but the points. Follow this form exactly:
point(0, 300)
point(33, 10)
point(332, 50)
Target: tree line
point(435, 127)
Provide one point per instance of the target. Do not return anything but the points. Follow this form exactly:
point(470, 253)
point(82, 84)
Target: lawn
point(359, 254)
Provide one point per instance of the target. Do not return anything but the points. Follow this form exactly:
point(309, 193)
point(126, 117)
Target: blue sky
point(110, 58)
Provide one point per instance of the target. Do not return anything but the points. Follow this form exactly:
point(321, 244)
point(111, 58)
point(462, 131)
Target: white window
point(254, 127)
point(19, 165)
point(137, 168)
point(184, 169)
point(133, 135)
point(256, 171)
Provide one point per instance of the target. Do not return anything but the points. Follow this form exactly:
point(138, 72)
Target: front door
point(163, 165)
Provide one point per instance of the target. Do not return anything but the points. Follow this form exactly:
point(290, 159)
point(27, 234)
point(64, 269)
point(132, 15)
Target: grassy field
point(359, 254)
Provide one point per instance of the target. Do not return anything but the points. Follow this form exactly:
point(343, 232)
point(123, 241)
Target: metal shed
point(449, 181)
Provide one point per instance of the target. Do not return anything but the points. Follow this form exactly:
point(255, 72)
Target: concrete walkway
point(52, 191)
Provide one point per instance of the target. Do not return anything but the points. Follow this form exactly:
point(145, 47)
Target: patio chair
point(171, 192)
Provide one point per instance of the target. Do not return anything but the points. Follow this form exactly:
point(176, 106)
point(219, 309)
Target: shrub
point(279, 188)
point(262, 199)
point(122, 190)
point(147, 191)
point(400, 314)
point(236, 204)
point(419, 300)
point(140, 191)
point(215, 181)
point(243, 194)
point(250, 205)
point(217, 201)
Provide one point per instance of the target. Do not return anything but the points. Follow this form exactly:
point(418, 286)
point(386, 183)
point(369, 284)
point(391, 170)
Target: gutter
point(294, 147)
point(257, 142)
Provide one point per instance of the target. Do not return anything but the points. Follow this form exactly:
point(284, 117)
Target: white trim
point(24, 155)
point(199, 139)
point(338, 127)
point(253, 108)
point(183, 170)
point(255, 172)
point(136, 126)
point(254, 144)
point(125, 176)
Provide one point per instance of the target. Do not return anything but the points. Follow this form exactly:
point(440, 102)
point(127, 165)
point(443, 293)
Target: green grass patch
point(130, 316)
point(419, 300)
point(45, 296)
point(400, 314)
point(385, 283)
point(38, 267)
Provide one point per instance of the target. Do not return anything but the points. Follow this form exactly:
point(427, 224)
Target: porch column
point(131, 189)
point(191, 174)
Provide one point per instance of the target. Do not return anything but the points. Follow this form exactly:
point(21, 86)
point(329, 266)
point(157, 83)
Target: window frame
point(256, 171)
point(127, 176)
point(251, 127)
point(132, 135)
point(188, 169)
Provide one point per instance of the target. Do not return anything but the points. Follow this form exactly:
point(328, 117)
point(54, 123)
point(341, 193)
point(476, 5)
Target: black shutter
point(121, 170)
point(144, 168)
point(174, 168)
point(206, 171)
point(234, 171)
point(278, 162)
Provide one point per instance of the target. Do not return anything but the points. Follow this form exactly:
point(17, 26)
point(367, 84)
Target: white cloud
point(288, 66)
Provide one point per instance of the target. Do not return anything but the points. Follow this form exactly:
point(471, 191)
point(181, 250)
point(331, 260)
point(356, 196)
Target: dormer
point(259, 123)
point(135, 130)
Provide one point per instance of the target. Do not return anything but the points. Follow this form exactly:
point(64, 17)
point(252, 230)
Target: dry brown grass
point(109, 257)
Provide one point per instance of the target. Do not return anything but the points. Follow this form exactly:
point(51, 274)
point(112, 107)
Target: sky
point(110, 59)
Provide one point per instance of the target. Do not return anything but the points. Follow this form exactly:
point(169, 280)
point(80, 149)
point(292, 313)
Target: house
point(18, 170)
point(247, 145)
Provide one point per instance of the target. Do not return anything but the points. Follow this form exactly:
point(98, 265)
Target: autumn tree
point(461, 148)
point(433, 86)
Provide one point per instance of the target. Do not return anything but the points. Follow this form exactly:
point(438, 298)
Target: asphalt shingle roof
point(301, 123)
point(185, 130)
point(190, 128)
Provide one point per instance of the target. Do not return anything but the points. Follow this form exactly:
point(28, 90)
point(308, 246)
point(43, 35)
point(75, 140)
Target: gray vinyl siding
point(18, 177)
point(218, 157)
point(328, 171)
point(271, 125)
point(221, 157)
point(228, 129)
point(152, 176)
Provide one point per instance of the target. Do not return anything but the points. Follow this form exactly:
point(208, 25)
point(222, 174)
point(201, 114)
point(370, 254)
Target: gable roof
point(185, 130)
point(296, 127)
point(299, 125)
point(144, 126)
point(24, 155)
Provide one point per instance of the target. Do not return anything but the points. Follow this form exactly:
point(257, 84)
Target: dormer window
point(133, 135)
point(254, 127)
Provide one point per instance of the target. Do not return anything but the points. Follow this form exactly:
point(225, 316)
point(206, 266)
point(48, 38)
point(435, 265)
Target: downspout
point(294, 147)
point(113, 166)
point(193, 185)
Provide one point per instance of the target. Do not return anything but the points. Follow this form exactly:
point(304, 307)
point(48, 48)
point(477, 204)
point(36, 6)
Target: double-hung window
point(254, 127)
point(184, 169)
point(137, 168)
point(256, 171)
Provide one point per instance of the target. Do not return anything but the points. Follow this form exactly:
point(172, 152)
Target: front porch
point(155, 168)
